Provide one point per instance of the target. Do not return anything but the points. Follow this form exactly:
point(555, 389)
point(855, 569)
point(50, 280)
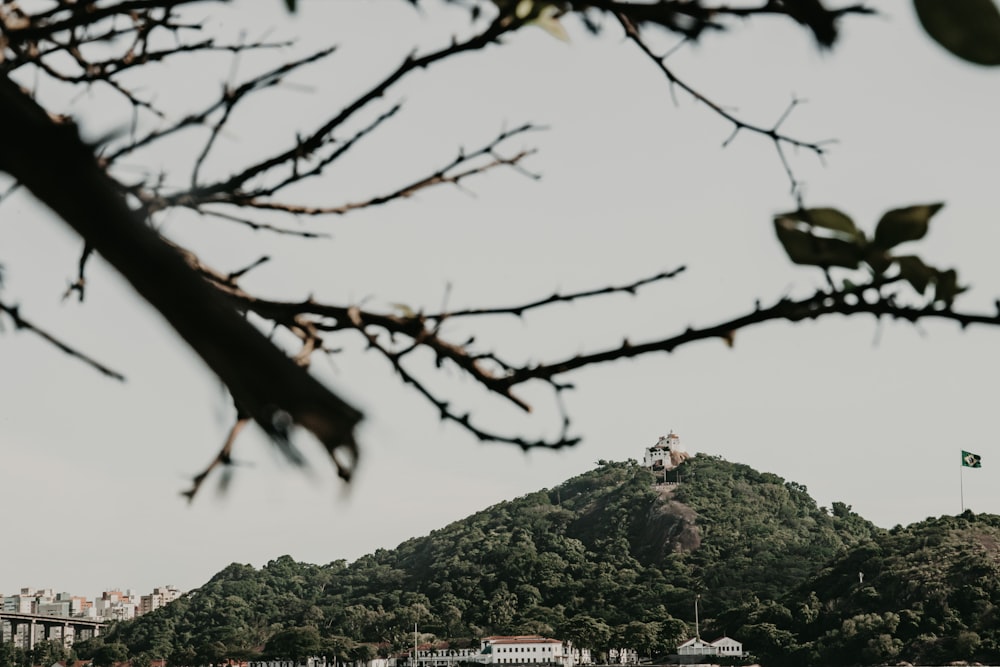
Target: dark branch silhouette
point(14, 313)
point(212, 310)
point(50, 160)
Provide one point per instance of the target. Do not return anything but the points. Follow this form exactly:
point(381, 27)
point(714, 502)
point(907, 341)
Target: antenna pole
point(697, 632)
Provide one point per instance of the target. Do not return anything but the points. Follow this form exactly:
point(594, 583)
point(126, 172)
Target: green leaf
point(970, 29)
point(878, 259)
point(947, 288)
point(913, 270)
point(827, 218)
point(904, 224)
point(804, 247)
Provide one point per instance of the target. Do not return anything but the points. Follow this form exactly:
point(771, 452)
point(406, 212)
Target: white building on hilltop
point(666, 454)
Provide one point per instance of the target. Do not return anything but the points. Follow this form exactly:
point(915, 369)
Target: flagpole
point(961, 486)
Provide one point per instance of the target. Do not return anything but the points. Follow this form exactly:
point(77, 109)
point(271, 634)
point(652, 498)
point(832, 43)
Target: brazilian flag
point(970, 460)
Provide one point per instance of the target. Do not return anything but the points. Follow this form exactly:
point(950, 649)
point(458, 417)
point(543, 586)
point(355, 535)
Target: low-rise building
point(524, 650)
point(623, 656)
point(442, 655)
point(506, 650)
point(694, 649)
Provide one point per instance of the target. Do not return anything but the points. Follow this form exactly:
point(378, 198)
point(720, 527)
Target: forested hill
point(607, 557)
point(925, 594)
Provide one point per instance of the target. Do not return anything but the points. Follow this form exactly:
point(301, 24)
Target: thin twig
point(14, 314)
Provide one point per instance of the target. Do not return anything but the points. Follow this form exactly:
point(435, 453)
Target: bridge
point(63, 628)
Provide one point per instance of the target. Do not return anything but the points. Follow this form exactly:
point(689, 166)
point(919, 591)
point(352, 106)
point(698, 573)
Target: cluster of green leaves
point(606, 559)
point(826, 237)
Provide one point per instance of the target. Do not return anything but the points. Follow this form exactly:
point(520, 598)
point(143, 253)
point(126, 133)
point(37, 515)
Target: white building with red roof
point(524, 650)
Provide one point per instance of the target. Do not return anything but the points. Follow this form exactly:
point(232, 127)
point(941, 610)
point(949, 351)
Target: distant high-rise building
point(161, 595)
point(116, 606)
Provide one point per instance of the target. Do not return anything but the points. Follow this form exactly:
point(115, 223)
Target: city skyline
point(111, 604)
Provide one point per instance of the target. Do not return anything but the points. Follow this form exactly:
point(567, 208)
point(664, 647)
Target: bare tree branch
point(864, 299)
point(14, 313)
point(70, 43)
point(739, 125)
point(49, 159)
point(444, 175)
point(692, 17)
point(316, 139)
point(223, 458)
point(630, 288)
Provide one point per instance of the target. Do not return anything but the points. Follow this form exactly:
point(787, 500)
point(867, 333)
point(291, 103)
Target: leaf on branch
point(878, 259)
point(947, 287)
point(913, 270)
point(904, 224)
point(820, 237)
point(828, 218)
point(970, 29)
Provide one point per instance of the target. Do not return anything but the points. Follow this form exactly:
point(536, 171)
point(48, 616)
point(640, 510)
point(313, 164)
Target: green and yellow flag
point(970, 460)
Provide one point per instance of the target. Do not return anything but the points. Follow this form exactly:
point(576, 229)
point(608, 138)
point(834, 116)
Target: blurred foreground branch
point(101, 45)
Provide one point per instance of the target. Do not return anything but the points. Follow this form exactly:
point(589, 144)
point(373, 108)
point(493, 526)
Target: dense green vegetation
point(926, 594)
point(610, 559)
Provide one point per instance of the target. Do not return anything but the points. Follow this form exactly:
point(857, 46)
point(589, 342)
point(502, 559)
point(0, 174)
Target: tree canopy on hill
point(607, 559)
point(926, 594)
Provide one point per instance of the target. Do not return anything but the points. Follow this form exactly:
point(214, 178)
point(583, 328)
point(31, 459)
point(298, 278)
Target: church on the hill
point(663, 457)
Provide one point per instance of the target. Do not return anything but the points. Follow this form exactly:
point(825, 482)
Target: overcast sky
point(634, 183)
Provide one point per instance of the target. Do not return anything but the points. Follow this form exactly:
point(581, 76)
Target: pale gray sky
point(871, 414)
